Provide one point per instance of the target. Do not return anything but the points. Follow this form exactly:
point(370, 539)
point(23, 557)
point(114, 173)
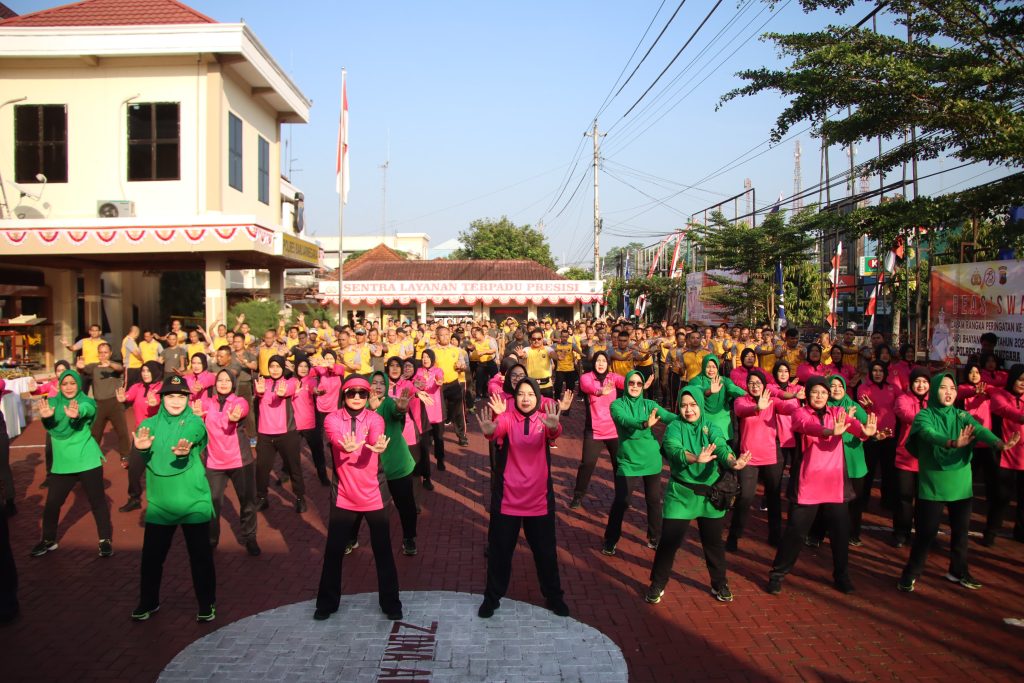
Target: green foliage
point(488, 239)
point(661, 293)
point(610, 261)
point(261, 315)
point(575, 273)
point(313, 313)
point(806, 293)
point(181, 292)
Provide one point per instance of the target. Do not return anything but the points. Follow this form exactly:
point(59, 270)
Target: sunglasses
point(536, 338)
point(357, 393)
point(636, 384)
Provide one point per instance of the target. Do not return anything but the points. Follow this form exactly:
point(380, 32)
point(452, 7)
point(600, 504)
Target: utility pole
point(798, 180)
point(597, 209)
point(384, 202)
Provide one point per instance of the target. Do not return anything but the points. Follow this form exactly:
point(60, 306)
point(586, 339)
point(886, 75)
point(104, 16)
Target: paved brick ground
point(75, 623)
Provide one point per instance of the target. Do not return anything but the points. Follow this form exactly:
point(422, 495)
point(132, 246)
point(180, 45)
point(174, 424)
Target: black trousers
point(771, 476)
point(928, 514)
point(672, 536)
point(652, 494)
point(880, 457)
point(268, 447)
point(903, 512)
point(862, 493)
point(136, 474)
point(1009, 485)
point(243, 479)
point(49, 454)
point(6, 476)
point(454, 408)
point(244, 389)
point(674, 380)
point(434, 434)
point(156, 541)
point(565, 380)
point(339, 533)
point(8, 572)
point(57, 493)
point(482, 375)
point(502, 536)
point(801, 517)
point(402, 493)
point(315, 438)
point(591, 452)
point(111, 410)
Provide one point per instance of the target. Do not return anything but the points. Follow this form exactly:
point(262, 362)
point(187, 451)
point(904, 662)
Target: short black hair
point(989, 337)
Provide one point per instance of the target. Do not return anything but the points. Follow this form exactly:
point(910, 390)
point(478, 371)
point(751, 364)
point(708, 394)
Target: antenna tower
point(798, 180)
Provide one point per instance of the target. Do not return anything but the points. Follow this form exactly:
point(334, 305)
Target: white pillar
point(531, 310)
point(277, 285)
point(92, 297)
point(64, 293)
point(423, 311)
point(216, 290)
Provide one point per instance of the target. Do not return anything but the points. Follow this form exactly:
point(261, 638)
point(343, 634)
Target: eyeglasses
point(636, 384)
point(357, 393)
point(536, 338)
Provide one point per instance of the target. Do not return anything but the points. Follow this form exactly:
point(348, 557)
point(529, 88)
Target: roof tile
point(382, 263)
point(112, 13)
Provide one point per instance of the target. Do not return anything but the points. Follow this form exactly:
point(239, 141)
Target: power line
point(609, 97)
point(646, 54)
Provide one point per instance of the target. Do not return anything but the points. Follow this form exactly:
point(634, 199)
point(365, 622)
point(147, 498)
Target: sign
point(869, 265)
point(463, 291)
point(699, 289)
point(300, 250)
point(970, 299)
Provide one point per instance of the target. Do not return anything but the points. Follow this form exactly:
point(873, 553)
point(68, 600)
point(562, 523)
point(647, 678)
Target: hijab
point(607, 366)
point(637, 408)
point(775, 373)
point(222, 398)
point(167, 431)
point(63, 427)
point(202, 359)
point(743, 357)
point(885, 372)
point(696, 435)
point(506, 385)
point(814, 345)
point(156, 372)
point(935, 417)
point(814, 381)
point(917, 373)
point(1015, 372)
point(536, 406)
point(387, 366)
point(280, 360)
point(433, 358)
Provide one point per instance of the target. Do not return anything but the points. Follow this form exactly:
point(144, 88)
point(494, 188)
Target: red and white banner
point(833, 276)
point(373, 292)
point(657, 256)
point(341, 163)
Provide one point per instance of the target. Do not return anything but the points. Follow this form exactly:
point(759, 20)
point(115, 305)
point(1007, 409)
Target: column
point(531, 310)
point(423, 311)
point(277, 285)
point(216, 290)
point(63, 311)
point(92, 297)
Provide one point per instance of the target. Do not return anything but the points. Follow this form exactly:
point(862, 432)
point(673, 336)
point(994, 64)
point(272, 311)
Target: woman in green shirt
point(943, 437)
point(639, 457)
point(696, 449)
point(719, 393)
point(171, 444)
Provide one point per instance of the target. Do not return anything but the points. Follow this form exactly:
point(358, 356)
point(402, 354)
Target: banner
point(699, 288)
point(970, 299)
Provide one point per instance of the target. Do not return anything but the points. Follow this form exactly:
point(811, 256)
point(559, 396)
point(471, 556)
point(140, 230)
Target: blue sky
point(483, 106)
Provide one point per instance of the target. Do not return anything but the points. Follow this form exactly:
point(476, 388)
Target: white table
point(13, 407)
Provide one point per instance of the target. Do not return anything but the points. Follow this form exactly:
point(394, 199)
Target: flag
point(625, 292)
point(342, 181)
point(833, 276)
point(657, 256)
point(778, 203)
point(641, 306)
point(780, 291)
point(675, 257)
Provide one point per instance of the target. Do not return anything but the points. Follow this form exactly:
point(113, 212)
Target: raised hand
point(653, 419)
point(1012, 441)
point(152, 400)
point(716, 384)
point(707, 454)
point(966, 437)
point(381, 445)
point(424, 398)
point(802, 394)
point(236, 413)
point(866, 401)
point(607, 388)
point(374, 401)
point(552, 412)
point(402, 402)
point(349, 444)
point(649, 381)
point(197, 409)
point(841, 424)
point(44, 408)
point(119, 394)
point(764, 400)
point(981, 388)
point(566, 401)
point(281, 388)
point(71, 409)
point(870, 428)
point(241, 318)
point(142, 439)
point(742, 461)
point(497, 404)
point(485, 417)
point(260, 385)
point(182, 448)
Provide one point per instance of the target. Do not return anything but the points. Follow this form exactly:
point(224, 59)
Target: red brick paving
point(75, 606)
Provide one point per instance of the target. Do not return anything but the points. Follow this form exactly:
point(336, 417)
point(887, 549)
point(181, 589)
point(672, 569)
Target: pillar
point(216, 290)
point(277, 285)
point(92, 297)
point(531, 310)
point(64, 310)
point(423, 311)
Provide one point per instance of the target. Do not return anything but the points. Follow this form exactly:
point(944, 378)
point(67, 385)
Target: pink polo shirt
point(357, 472)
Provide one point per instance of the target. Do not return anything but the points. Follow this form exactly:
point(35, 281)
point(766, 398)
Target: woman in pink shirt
point(495, 384)
point(758, 415)
point(599, 389)
point(144, 397)
point(429, 379)
point(277, 433)
point(813, 366)
point(522, 495)
point(356, 436)
point(784, 388)
point(1008, 404)
point(200, 380)
point(329, 375)
point(228, 457)
point(877, 395)
point(748, 359)
point(838, 367)
point(822, 484)
point(304, 406)
point(908, 405)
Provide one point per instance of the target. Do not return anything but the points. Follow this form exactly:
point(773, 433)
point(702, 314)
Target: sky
point(479, 110)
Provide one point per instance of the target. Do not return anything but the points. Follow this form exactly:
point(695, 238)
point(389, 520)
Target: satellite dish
point(28, 212)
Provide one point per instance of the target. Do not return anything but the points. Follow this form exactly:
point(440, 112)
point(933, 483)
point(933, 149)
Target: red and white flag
point(342, 182)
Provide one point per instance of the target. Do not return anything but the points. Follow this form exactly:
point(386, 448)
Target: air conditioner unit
point(115, 208)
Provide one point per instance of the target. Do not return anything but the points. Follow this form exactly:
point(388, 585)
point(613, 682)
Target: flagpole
point(342, 143)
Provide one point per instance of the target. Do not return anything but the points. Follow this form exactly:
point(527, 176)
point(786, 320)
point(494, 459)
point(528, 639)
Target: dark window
point(154, 139)
point(41, 142)
point(235, 152)
point(263, 171)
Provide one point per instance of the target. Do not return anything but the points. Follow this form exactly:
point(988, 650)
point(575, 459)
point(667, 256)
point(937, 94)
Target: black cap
point(174, 385)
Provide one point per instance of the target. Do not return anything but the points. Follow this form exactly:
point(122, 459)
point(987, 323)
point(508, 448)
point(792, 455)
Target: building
point(137, 137)
point(382, 283)
point(415, 244)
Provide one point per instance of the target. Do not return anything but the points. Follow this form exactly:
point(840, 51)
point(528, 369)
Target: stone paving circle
point(440, 638)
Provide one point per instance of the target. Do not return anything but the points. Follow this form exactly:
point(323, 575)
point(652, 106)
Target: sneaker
point(652, 544)
point(486, 610)
point(762, 507)
point(106, 550)
point(774, 585)
point(559, 607)
point(409, 546)
point(441, 466)
point(653, 595)
point(722, 594)
point(576, 502)
point(988, 539)
point(142, 613)
point(608, 549)
point(262, 504)
point(132, 504)
point(124, 462)
point(906, 586)
point(394, 615)
point(42, 548)
point(812, 542)
point(206, 615)
point(351, 546)
point(428, 485)
point(462, 442)
point(732, 544)
point(844, 585)
point(322, 614)
point(300, 505)
point(252, 547)
point(855, 542)
point(967, 581)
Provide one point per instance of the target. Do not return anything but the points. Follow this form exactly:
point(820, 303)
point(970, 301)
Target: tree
point(181, 294)
point(956, 84)
point(575, 273)
point(661, 292)
point(610, 261)
point(261, 315)
point(806, 294)
point(488, 239)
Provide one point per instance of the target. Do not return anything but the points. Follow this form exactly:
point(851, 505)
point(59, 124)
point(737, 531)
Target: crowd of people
point(726, 408)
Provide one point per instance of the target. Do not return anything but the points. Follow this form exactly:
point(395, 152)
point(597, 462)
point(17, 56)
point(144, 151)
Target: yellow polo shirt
point(447, 357)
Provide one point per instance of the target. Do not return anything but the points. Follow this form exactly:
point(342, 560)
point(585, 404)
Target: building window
point(263, 170)
point(154, 137)
point(234, 152)
point(41, 142)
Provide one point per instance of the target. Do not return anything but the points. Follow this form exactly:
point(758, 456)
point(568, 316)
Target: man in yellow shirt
point(131, 356)
point(482, 360)
point(622, 356)
point(89, 348)
point(790, 350)
point(357, 358)
point(539, 362)
point(449, 360)
point(766, 352)
point(567, 353)
point(693, 357)
point(149, 347)
point(268, 348)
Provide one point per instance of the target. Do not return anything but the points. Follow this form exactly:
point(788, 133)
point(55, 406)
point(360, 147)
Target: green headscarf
point(696, 435)
point(856, 465)
point(639, 452)
point(396, 460)
point(636, 409)
point(63, 426)
point(717, 405)
point(167, 430)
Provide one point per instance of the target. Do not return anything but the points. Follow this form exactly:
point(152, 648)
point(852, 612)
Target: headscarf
point(744, 354)
point(167, 431)
point(845, 402)
point(638, 407)
point(696, 435)
point(607, 367)
point(202, 359)
point(885, 372)
point(814, 381)
point(387, 365)
point(759, 373)
point(935, 417)
point(415, 366)
point(775, 373)
point(280, 360)
point(536, 406)
point(506, 364)
point(63, 427)
point(1015, 372)
point(809, 347)
point(433, 357)
point(973, 365)
point(59, 364)
point(222, 398)
point(506, 385)
point(156, 372)
point(918, 373)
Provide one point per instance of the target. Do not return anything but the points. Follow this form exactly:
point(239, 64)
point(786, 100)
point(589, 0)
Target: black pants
point(862, 492)
point(49, 454)
point(434, 434)
point(403, 495)
point(156, 541)
point(339, 533)
point(652, 493)
point(880, 457)
point(57, 493)
point(315, 438)
point(674, 380)
point(565, 380)
point(1009, 485)
point(928, 514)
point(801, 517)
point(243, 479)
point(903, 513)
point(8, 573)
point(771, 476)
point(591, 452)
point(136, 474)
point(502, 536)
point(672, 538)
point(482, 375)
point(6, 476)
point(244, 389)
point(111, 410)
point(454, 410)
point(268, 447)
